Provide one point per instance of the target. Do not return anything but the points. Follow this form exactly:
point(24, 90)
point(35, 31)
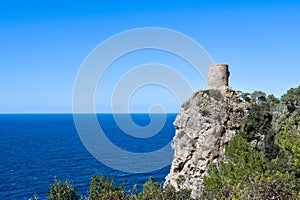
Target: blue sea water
point(36, 148)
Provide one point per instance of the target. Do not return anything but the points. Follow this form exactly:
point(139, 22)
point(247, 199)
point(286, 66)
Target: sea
point(35, 149)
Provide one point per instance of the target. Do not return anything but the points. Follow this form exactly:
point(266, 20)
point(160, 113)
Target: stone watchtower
point(217, 79)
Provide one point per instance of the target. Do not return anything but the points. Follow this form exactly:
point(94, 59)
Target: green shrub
point(288, 141)
point(62, 191)
point(151, 190)
point(242, 161)
point(169, 192)
point(102, 188)
point(292, 98)
point(257, 126)
point(247, 175)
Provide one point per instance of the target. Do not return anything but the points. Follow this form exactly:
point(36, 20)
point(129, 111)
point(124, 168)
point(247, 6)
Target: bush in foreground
point(103, 188)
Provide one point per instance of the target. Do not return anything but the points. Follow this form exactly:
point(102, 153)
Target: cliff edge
point(205, 124)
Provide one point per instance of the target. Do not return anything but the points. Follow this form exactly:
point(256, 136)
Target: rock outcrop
point(204, 125)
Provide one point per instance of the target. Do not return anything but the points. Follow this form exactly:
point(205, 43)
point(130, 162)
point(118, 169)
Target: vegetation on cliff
point(263, 159)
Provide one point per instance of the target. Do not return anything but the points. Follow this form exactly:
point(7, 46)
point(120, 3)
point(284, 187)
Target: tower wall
point(218, 75)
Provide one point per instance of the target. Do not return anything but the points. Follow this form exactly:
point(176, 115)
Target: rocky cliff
point(204, 125)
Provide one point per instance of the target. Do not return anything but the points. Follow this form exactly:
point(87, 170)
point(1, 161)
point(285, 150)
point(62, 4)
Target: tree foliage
point(292, 99)
point(257, 126)
point(246, 175)
point(62, 191)
point(292, 95)
point(242, 161)
point(263, 161)
point(151, 190)
point(288, 141)
point(104, 188)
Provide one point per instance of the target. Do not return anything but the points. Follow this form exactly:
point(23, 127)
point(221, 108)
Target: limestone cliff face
point(204, 125)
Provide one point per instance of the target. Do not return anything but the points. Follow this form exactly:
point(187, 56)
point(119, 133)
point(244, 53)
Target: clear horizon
point(44, 44)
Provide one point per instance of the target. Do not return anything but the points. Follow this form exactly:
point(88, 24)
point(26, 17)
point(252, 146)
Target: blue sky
point(42, 46)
